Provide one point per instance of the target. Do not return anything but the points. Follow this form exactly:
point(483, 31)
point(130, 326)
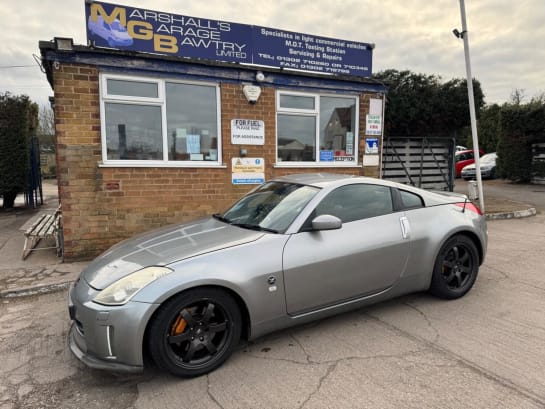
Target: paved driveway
point(530, 194)
point(486, 350)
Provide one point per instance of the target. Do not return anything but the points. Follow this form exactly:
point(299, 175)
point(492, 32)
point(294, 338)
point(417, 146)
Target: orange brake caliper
point(178, 326)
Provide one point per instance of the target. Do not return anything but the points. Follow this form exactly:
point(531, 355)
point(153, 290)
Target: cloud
point(414, 34)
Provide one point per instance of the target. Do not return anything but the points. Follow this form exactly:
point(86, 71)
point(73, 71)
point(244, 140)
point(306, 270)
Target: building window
point(159, 122)
point(316, 129)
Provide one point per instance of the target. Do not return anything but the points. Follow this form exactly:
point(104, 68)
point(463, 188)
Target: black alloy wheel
point(195, 332)
point(456, 268)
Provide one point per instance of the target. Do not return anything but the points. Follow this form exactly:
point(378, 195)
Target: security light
point(458, 34)
point(63, 44)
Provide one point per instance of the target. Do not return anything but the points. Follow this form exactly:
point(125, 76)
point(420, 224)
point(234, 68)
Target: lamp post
point(465, 36)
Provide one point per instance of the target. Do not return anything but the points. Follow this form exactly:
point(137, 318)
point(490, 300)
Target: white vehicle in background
point(487, 165)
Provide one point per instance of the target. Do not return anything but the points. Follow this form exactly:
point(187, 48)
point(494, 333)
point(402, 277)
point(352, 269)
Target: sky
point(505, 36)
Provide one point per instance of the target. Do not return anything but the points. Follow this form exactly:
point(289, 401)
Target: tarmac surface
point(485, 350)
point(42, 271)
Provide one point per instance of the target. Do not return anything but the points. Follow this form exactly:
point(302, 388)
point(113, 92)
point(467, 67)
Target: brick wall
point(102, 205)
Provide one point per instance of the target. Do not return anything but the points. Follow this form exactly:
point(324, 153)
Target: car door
point(366, 255)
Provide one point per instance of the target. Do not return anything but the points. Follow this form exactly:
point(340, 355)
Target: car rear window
point(410, 200)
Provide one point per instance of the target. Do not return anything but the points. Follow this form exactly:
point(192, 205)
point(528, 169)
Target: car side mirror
point(326, 222)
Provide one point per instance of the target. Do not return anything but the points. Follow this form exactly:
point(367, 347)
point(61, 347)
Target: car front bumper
point(471, 174)
point(107, 337)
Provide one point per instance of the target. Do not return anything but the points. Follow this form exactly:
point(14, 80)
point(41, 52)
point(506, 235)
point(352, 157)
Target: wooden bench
point(47, 226)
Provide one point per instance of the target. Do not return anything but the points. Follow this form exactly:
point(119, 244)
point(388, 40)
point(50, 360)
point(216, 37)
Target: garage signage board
point(248, 171)
point(247, 132)
point(136, 29)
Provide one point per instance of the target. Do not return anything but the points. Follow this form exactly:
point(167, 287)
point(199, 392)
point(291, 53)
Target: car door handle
point(405, 227)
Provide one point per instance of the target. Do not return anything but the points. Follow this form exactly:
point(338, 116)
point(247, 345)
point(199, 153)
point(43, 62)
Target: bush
point(521, 126)
point(15, 122)
point(489, 129)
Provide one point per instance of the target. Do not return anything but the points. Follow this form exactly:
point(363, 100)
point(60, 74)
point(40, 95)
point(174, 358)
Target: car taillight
point(470, 206)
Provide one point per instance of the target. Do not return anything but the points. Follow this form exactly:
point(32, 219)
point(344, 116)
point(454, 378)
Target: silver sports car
point(293, 250)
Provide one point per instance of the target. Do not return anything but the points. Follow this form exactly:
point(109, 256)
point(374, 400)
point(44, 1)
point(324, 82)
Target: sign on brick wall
point(136, 29)
point(247, 132)
point(248, 171)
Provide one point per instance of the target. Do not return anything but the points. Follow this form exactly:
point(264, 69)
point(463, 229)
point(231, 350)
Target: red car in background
point(464, 158)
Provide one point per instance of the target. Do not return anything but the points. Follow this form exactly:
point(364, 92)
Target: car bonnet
point(162, 247)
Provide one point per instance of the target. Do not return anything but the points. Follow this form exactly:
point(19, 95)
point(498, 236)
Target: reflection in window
point(356, 202)
point(337, 124)
point(297, 102)
point(150, 119)
point(133, 88)
point(133, 132)
point(296, 138)
point(410, 200)
point(273, 205)
point(191, 122)
point(310, 133)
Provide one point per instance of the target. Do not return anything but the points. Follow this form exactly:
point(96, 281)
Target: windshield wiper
point(219, 217)
point(255, 227)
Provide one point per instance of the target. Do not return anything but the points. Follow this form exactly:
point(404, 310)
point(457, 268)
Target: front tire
point(456, 268)
point(195, 332)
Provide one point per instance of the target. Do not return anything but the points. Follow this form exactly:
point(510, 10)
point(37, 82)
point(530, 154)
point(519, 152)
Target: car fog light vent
point(109, 337)
point(79, 327)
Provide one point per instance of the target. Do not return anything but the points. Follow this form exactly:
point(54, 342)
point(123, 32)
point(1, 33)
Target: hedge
point(521, 126)
point(15, 122)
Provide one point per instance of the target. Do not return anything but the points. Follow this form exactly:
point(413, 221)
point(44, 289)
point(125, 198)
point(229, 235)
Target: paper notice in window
point(193, 143)
point(181, 132)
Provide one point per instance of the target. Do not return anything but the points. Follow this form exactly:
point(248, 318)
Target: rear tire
point(195, 332)
point(456, 268)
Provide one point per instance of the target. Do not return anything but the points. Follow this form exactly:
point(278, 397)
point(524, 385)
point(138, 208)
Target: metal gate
point(422, 162)
point(34, 194)
point(538, 161)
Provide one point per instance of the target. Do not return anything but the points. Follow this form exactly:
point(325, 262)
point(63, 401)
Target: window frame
point(160, 101)
point(316, 114)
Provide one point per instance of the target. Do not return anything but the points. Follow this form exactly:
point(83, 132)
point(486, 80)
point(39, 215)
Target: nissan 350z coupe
point(295, 249)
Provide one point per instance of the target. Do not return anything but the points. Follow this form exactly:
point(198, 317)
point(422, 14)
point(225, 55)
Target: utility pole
point(465, 36)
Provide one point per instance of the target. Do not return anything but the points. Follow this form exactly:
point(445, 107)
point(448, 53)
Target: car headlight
point(486, 167)
point(123, 290)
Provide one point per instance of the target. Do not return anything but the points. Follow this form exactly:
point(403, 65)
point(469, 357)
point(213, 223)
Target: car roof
point(315, 179)
point(468, 151)
point(465, 151)
point(332, 179)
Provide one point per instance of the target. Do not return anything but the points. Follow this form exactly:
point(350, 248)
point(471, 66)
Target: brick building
point(145, 140)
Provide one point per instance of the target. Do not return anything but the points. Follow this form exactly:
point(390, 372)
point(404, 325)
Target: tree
point(17, 120)
point(46, 127)
point(489, 128)
point(423, 105)
point(517, 96)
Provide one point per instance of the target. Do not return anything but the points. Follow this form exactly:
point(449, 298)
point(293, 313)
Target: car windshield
point(271, 207)
point(489, 158)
